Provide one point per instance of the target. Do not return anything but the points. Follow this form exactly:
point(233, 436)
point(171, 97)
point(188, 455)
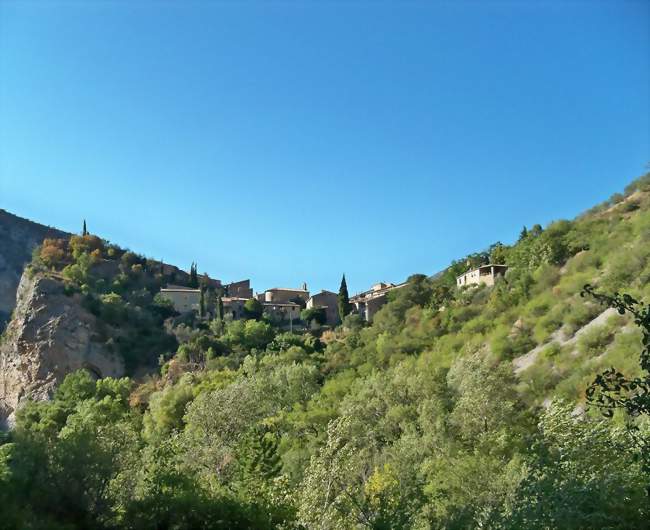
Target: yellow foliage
point(382, 488)
point(87, 243)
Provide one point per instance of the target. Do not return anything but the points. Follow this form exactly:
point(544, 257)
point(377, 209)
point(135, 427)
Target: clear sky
point(293, 141)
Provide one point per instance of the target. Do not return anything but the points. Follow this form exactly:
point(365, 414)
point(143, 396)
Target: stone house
point(241, 289)
point(184, 299)
point(329, 301)
point(284, 295)
point(367, 303)
point(233, 307)
point(486, 274)
point(279, 312)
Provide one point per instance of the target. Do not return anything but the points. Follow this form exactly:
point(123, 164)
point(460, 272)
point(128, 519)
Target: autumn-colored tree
point(53, 252)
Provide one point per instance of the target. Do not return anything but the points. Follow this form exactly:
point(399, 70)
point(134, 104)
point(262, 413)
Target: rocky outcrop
point(50, 335)
point(18, 237)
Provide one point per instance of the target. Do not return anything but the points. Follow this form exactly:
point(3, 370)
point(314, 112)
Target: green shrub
point(508, 344)
point(113, 309)
point(623, 269)
point(551, 351)
point(594, 341)
point(580, 313)
point(549, 323)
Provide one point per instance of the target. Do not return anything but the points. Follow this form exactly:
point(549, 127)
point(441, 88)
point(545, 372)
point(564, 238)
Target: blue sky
point(294, 141)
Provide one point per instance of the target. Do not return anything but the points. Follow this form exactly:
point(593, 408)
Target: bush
point(549, 323)
point(551, 351)
point(624, 269)
point(594, 341)
point(53, 253)
point(85, 245)
point(314, 314)
point(579, 314)
point(640, 184)
point(113, 309)
point(353, 321)
point(253, 309)
point(510, 344)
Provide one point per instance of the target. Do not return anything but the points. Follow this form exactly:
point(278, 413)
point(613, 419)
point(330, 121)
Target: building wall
point(475, 277)
point(279, 312)
point(368, 307)
point(240, 289)
point(284, 295)
point(374, 304)
point(369, 302)
point(469, 278)
point(183, 300)
point(329, 301)
point(233, 308)
point(487, 279)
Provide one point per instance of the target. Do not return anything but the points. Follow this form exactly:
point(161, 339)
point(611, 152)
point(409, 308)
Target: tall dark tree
point(219, 308)
point(85, 230)
point(194, 278)
point(523, 234)
point(344, 299)
point(202, 304)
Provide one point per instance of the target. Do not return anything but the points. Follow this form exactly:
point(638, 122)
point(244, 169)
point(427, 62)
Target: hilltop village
point(285, 306)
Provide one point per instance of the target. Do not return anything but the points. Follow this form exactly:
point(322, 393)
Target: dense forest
point(523, 405)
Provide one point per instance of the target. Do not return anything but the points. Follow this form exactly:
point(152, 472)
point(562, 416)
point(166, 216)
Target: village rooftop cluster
point(283, 305)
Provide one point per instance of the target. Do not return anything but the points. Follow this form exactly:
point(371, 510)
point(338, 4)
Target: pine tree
point(523, 234)
point(261, 460)
point(84, 231)
point(269, 463)
point(344, 299)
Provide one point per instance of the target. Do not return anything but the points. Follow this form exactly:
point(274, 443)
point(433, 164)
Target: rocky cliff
point(18, 237)
point(50, 335)
point(56, 330)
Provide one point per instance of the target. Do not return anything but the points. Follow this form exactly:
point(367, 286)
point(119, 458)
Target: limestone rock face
point(50, 335)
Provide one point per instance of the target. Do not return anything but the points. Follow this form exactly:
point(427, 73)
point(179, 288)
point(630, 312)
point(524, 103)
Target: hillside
point(81, 303)
point(457, 408)
point(18, 237)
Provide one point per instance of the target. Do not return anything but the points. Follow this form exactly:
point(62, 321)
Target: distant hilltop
point(18, 237)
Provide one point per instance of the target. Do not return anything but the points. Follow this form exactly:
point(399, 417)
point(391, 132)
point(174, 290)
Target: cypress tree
point(84, 231)
point(202, 304)
point(194, 279)
point(219, 308)
point(344, 299)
